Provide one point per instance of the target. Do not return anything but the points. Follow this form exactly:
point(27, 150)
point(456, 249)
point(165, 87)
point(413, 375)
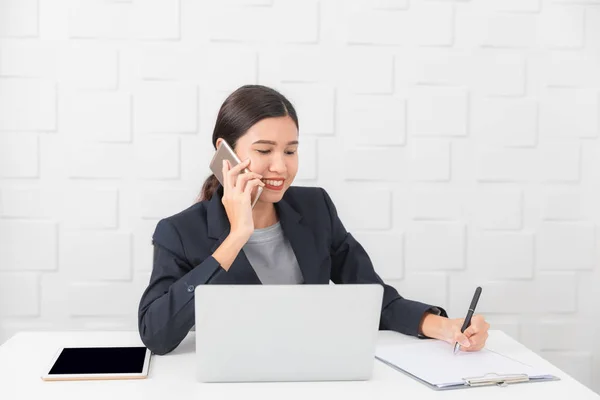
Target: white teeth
point(274, 183)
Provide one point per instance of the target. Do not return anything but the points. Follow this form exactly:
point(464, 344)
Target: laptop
point(276, 333)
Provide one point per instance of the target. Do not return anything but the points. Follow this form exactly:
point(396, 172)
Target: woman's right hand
point(237, 197)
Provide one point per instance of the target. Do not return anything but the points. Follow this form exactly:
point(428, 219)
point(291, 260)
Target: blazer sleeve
point(351, 264)
point(166, 310)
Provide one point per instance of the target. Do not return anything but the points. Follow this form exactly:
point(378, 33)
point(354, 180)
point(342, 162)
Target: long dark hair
point(243, 108)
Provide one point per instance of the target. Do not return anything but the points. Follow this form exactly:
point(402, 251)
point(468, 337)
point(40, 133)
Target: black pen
point(469, 315)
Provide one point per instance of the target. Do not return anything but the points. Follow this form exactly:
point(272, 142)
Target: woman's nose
point(278, 164)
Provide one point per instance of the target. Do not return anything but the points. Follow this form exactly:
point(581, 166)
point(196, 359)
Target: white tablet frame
point(46, 376)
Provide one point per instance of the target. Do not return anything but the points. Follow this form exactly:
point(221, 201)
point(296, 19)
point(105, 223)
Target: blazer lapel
point(241, 271)
point(301, 239)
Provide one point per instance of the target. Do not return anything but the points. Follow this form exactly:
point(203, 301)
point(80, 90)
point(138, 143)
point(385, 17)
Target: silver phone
point(225, 152)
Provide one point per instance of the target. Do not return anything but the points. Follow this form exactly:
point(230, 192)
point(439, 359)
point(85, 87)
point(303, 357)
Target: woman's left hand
point(474, 337)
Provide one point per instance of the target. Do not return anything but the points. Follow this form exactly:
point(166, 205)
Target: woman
point(293, 235)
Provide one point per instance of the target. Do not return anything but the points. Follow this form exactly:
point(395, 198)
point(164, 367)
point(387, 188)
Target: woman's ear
point(219, 140)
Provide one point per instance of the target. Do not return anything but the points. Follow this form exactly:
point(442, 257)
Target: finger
point(462, 339)
point(242, 179)
point(234, 171)
point(252, 184)
point(238, 168)
point(478, 320)
point(477, 325)
point(471, 330)
point(478, 341)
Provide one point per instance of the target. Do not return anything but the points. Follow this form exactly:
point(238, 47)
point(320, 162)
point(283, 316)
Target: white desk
point(25, 355)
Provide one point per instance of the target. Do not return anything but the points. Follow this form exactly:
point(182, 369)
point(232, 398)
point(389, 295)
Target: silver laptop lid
point(286, 332)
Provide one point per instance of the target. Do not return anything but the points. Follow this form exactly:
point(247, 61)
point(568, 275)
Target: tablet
point(91, 363)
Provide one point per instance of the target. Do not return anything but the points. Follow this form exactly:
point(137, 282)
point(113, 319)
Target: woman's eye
point(292, 152)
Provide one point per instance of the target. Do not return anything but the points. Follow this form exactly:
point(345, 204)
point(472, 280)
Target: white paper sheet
point(434, 362)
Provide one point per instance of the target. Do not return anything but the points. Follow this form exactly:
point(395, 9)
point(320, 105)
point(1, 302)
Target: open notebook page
point(434, 362)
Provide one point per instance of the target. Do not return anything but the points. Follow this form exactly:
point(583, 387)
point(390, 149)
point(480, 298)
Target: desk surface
point(24, 357)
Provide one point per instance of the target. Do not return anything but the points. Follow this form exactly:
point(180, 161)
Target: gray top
point(272, 257)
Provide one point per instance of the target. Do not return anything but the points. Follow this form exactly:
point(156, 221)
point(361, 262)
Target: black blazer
point(184, 244)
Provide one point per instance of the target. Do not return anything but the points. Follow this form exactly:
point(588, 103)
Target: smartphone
point(225, 152)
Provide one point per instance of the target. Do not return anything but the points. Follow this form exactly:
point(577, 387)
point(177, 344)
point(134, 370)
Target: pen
point(469, 315)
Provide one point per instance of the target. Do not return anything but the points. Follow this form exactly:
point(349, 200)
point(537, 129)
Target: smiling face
point(272, 146)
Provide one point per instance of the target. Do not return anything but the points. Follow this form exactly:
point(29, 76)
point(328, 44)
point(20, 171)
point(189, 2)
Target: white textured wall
point(459, 140)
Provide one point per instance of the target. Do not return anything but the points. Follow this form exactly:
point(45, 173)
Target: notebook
point(433, 363)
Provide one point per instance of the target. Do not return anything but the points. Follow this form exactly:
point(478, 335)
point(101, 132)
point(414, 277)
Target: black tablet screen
point(99, 360)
